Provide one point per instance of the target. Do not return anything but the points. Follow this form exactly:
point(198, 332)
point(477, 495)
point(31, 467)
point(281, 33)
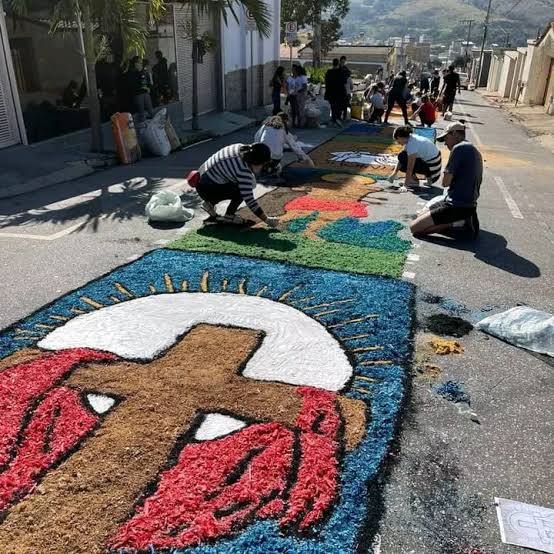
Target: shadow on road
point(461, 102)
point(493, 250)
point(113, 202)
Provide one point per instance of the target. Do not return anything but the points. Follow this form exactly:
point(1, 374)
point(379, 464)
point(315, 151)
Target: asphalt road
point(452, 461)
point(449, 462)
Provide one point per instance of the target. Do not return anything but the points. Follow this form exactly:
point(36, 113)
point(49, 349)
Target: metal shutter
point(9, 131)
point(208, 81)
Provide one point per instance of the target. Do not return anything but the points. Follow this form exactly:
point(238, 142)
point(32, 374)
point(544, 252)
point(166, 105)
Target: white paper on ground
point(523, 327)
point(526, 525)
point(364, 158)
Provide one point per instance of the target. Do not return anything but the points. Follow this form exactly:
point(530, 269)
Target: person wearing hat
point(230, 174)
point(462, 177)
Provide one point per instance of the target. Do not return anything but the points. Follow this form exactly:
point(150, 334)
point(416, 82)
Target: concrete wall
point(507, 74)
point(238, 84)
point(537, 69)
point(520, 64)
point(244, 87)
point(495, 71)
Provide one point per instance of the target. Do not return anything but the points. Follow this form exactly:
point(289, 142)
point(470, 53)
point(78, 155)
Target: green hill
point(511, 20)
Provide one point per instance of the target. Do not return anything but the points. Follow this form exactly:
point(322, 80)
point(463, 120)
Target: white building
point(526, 74)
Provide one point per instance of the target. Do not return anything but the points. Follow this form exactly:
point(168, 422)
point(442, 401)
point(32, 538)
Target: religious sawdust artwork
point(211, 399)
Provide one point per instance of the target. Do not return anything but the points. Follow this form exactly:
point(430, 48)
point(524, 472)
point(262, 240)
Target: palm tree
point(98, 19)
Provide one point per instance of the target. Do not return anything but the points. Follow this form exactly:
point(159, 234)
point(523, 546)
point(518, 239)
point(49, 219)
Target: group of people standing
point(295, 87)
point(338, 90)
point(149, 86)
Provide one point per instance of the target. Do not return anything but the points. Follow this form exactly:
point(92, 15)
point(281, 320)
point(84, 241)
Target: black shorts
point(443, 213)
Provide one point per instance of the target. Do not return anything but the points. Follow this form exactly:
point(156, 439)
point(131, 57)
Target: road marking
point(469, 124)
point(54, 236)
point(408, 275)
point(513, 207)
point(132, 184)
point(413, 257)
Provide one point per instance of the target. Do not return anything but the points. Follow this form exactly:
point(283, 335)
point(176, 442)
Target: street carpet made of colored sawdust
point(235, 393)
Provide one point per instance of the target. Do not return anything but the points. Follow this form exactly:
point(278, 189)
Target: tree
point(324, 16)
point(102, 19)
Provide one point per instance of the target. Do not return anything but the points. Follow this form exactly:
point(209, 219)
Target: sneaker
point(472, 226)
point(232, 219)
point(209, 209)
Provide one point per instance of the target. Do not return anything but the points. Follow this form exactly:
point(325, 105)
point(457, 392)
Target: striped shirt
point(227, 166)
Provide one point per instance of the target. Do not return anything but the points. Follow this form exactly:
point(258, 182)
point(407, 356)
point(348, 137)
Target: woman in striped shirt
point(420, 156)
point(230, 174)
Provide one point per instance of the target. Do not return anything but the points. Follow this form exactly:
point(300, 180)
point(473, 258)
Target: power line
point(487, 18)
point(518, 2)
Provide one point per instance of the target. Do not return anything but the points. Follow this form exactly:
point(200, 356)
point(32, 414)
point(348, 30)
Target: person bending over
point(275, 134)
point(418, 157)
point(462, 177)
point(427, 112)
point(230, 174)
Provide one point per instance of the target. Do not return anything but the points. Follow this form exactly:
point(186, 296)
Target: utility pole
point(470, 23)
point(487, 18)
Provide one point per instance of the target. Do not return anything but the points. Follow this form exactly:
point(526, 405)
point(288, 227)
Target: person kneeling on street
point(419, 156)
point(276, 135)
point(462, 177)
point(230, 174)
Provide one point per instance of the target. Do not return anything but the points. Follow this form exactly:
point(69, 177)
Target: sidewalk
point(66, 158)
point(536, 122)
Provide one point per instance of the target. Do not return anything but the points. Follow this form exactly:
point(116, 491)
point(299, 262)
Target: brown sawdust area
point(334, 186)
point(82, 503)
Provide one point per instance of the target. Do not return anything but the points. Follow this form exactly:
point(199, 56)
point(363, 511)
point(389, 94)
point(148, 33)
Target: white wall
point(237, 41)
point(507, 75)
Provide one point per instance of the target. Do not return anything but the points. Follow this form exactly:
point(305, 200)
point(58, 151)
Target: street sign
point(250, 22)
point(291, 37)
point(291, 27)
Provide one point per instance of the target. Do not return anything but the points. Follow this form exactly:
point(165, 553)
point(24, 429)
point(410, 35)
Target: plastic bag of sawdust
point(166, 206)
point(523, 327)
point(154, 135)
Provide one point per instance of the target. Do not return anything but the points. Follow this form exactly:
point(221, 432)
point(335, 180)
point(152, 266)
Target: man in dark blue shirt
point(462, 177)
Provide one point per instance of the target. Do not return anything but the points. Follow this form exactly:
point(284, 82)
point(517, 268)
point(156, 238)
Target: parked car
point(464, 80)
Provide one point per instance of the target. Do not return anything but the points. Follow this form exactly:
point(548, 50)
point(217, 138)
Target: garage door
point(9, 131)
point(208, 82)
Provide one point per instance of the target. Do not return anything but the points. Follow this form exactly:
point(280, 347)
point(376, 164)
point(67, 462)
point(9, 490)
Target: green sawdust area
point(295, 249)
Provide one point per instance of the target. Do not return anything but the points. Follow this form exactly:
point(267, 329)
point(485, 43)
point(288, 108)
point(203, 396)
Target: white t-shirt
point(423, 148)
point(276, 139)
